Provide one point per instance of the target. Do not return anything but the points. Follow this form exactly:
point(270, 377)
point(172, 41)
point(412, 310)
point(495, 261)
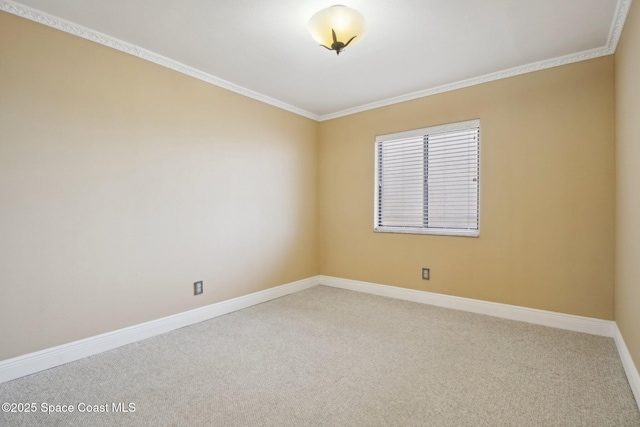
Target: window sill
point(436, 232)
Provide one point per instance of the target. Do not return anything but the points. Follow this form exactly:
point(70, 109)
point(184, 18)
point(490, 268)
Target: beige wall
point(627, 295)
point(547, 194)
point(122, 183)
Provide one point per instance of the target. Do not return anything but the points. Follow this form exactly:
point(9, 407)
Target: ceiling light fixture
point(337, 27)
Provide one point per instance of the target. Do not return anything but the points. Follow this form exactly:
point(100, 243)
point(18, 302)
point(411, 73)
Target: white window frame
point(466, 125)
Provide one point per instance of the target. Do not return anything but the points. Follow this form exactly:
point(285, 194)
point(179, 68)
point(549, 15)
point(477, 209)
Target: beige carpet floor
point(330, 357)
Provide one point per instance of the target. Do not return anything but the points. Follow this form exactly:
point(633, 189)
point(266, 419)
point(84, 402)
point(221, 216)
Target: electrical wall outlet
point(425, 274)
point(198, 288)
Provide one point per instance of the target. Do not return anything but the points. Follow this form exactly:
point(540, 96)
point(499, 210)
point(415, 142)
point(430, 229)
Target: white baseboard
point(570, 322)
point(589, 325)
point(34, 362)
point(629, 367)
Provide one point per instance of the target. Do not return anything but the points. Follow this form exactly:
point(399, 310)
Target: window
point(427, 180)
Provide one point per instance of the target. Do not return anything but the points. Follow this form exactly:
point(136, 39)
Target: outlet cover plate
point(425, 274)
point(198, 288)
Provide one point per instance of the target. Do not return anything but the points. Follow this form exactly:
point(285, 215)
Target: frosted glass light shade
point(346, 22)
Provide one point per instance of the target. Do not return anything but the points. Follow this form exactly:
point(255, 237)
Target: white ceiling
point(413, 48)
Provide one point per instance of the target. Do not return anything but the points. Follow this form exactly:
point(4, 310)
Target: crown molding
point(622, 10)
point(114, 43)
point(499, 75)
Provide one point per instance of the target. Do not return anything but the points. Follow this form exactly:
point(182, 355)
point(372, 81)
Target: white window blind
point(427, 180)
